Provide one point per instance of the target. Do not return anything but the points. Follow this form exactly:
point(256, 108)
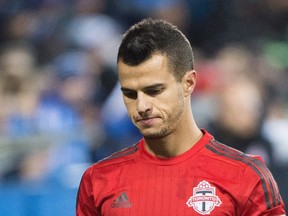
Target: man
point(176, 169)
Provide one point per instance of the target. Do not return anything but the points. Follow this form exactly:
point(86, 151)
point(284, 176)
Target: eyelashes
point(148, 91)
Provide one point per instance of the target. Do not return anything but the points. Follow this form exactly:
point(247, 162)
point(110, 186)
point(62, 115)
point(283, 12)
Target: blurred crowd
point(60, 104)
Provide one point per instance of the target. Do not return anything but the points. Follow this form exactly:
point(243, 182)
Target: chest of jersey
point(153, 190)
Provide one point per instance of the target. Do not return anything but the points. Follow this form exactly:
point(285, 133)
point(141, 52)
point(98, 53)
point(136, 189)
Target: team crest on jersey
point(204, 198)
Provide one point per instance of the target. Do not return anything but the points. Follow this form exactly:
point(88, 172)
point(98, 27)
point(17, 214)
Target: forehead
point(154, 70)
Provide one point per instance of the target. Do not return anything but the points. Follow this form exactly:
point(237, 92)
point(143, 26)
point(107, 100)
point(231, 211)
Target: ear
point(189, 82)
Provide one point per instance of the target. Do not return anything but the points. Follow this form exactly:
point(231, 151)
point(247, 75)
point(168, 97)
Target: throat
point(169, 147)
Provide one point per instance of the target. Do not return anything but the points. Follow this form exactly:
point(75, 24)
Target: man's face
point(153, 98)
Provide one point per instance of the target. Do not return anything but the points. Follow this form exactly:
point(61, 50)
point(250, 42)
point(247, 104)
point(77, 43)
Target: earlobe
point(189, 82)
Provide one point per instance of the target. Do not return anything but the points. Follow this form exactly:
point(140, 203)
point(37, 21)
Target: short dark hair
point(155, 35)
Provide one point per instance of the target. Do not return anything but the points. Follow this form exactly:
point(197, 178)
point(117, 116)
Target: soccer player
point(177, 168)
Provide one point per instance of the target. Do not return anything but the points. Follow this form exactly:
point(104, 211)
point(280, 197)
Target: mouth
point(148, 121)
point(137, 119)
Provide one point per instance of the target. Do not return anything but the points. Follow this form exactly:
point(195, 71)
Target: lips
point(146, 122)
point(137, 119)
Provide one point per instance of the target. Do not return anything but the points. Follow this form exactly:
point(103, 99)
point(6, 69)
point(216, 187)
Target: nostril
point(145, 113)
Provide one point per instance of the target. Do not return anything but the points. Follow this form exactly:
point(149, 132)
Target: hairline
point(170, 67)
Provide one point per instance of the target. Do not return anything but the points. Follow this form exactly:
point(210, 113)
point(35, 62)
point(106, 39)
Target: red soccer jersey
point(210, 178)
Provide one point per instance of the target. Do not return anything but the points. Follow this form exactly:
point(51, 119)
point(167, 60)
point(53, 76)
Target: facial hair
point(170, 124)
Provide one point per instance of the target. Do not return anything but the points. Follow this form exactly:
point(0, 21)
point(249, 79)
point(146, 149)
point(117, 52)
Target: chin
point(150, 135)
point(156, 135)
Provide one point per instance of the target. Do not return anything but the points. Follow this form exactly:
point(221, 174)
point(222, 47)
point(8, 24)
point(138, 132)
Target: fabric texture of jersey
point(209, 179)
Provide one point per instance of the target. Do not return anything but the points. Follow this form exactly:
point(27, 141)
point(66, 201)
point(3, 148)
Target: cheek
point(130, 107)
point(173, 99)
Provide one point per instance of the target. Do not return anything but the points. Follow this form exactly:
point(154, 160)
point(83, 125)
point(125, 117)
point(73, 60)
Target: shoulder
point(248, 164)
point(238, 166)
point(97, 174)
point(255, 179)
point(233, 157)
point(231, 165)
point(124, 156)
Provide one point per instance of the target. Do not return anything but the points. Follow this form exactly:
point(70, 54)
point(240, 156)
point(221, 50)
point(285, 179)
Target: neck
point(181, 140)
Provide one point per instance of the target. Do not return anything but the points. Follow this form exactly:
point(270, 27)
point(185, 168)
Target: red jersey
point(209, 179)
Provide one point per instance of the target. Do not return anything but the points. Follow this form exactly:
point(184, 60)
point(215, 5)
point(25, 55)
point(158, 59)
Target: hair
point(152, 36)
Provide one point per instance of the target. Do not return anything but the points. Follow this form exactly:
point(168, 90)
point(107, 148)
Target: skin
point(159, 106)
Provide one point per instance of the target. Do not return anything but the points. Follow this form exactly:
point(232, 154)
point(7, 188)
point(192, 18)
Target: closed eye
point(129, 94)
point(154, 91)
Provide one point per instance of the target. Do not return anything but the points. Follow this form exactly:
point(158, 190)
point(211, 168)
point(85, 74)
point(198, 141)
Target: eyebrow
point(154, 86)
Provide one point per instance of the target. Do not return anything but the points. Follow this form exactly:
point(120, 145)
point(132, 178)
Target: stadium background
point(60, 106)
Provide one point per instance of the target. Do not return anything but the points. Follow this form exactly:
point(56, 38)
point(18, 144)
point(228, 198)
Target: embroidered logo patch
point(204, 198)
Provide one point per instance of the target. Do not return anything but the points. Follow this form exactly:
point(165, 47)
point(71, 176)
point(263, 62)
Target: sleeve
point(265, 198)
point(85, 197)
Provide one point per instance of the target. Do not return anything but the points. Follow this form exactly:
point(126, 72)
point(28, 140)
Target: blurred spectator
point(239, 119)
point(48, 120)
point(95, 31)
point(240, 103)
point(39, 23)
point(131, 11)
point(19, 97)
point(85, 85)
point(19, 90)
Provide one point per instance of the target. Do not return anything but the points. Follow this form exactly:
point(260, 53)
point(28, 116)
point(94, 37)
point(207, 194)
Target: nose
point(144, 106)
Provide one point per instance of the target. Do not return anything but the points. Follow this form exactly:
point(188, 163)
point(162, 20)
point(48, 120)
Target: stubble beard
point(170, 124)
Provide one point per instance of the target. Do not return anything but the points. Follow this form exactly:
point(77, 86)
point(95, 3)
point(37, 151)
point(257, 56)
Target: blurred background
point(60, 105)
